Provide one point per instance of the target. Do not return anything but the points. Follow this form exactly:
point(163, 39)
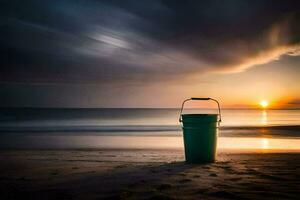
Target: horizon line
point(69, 107)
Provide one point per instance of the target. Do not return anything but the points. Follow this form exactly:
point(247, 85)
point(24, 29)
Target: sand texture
point(146, 174)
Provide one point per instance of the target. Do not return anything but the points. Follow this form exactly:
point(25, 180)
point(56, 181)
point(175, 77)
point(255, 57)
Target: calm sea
point(64, 128)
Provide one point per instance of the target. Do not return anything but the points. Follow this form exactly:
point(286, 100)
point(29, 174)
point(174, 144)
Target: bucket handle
point(200, 99)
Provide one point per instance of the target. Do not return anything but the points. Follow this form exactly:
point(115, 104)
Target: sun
point(264, 104)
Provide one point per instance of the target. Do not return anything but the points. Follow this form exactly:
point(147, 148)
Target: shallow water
point(142, 128)
point(141, 142)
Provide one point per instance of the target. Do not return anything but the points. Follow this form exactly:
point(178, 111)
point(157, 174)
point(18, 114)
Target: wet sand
point(147, 174)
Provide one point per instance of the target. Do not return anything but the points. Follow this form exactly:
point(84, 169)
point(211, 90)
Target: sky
point(84, 53)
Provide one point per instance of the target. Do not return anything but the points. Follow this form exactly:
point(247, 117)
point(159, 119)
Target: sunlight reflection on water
point(264, 117)
point(163, 142)
point(259, 143)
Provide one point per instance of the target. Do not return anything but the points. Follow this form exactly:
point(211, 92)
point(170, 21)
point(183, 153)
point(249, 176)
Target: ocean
point(97, 128)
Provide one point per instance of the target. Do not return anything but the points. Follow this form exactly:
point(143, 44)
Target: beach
point(139, 154)
point(150, 100)
point(147, 174)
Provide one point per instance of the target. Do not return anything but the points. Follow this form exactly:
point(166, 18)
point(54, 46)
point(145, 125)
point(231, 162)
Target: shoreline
point(71, 142)
point(134, 128)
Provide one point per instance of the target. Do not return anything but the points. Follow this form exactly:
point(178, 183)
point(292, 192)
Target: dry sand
point(146, 174)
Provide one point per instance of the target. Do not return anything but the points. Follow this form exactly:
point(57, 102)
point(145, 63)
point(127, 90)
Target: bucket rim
point(199, 118)
point(199, 114)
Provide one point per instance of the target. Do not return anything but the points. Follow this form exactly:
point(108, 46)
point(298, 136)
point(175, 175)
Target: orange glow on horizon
point(264, 104)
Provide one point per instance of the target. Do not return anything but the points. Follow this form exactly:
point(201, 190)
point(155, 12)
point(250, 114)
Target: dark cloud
point(103, 41)
point(295, 102)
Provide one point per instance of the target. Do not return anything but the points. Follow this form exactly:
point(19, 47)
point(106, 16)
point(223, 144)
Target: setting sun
point(264, 104)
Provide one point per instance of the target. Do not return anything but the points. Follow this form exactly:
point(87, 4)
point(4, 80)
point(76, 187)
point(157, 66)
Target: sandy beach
point(106, 99)
point(79, 154)
point(147, 174)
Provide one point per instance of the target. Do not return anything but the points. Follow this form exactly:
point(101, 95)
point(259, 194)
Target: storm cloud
point(103, 41)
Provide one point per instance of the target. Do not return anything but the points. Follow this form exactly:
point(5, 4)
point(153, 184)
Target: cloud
point(262, 57)
point(294, 102)
point(109, 41)
point(281, 39)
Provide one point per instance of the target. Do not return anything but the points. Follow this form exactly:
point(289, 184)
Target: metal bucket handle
point(200, 99)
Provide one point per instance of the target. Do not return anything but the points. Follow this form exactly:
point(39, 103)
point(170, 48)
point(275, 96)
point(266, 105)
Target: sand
point(146, 174)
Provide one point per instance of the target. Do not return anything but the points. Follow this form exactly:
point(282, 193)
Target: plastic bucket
point(200, 133)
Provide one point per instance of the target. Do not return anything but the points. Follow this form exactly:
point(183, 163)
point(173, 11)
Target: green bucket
point(200, 133)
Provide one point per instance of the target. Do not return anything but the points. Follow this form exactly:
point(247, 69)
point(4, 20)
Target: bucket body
point(200, 133)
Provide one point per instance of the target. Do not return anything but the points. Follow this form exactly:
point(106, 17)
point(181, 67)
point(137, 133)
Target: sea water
point(140, 128)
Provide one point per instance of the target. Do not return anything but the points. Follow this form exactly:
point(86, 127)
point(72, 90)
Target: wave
point(118, 128)
point(225, 131)
point(292, 131)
